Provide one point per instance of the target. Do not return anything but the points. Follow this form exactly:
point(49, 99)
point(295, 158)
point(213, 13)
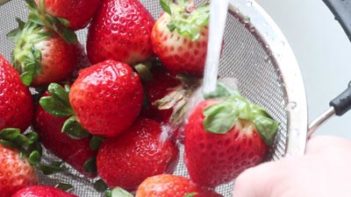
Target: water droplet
point(246, 20)
point(267, 59)
point(291, 106)
point(249, 3)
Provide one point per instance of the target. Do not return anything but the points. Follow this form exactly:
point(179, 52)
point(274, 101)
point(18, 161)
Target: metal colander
point(255, 53)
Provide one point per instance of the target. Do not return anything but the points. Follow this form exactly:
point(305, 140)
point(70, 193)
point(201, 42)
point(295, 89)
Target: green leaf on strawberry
point(64, 186)
point(26, 57)
point(27, 144)
point(221, 117)
point(165, 6)
point(52, 168)
point(95, 142)
point(57, 104)
point(90, 165)
point(38, 15)
point(9, 134)
point(100, 185)
point(118, 192)
point(185, 19)
point(34, 157)
point(221, 91)
point(73, 128)
point(29, 147)
point(12, 35)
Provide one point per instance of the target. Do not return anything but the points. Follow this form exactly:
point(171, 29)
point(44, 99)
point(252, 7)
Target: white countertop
point(323, 52)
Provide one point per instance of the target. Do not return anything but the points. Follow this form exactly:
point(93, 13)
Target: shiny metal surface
point(315, 124)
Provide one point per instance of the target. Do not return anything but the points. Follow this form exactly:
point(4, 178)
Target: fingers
point(320, 144)
point(255, 182)
point(275, 179)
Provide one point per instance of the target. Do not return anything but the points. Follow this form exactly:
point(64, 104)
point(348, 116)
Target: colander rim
point(284, 58)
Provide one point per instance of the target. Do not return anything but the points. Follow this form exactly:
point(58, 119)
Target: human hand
point(325, 170)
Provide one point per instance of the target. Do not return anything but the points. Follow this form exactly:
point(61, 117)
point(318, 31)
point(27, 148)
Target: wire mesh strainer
point(255, 52)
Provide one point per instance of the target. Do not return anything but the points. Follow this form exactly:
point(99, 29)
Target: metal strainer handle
point(338, 106)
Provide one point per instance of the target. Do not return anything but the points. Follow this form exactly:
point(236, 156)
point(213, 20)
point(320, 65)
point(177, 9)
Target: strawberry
point(179, 37)
point(167, 185)
point(120, 31)
point(15, 172)
point(41, 55)
point(41, 191)
point(161, 84)
point(139, 153)
point(107, 98)
point(16, 106)
point(225, 136)
point(76, 152)
point(77, 13)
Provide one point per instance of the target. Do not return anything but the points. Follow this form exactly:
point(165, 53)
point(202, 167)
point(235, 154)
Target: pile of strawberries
point(119, 112)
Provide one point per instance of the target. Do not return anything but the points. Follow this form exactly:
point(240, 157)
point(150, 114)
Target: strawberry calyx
point(40, 16)
point(221, 117)
point(29, 147)
point(118, 192)
point(90, 165)
point(101, 186)
point(178, 99)
point(26, 56)
point(57, 104)
point(185, 18)
point(28, 144)
point(64, 186)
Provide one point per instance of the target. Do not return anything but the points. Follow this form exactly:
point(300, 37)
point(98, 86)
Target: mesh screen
point(244, 58)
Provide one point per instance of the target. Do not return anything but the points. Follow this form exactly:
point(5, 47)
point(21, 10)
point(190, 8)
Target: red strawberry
point(167, 185)
point(74, 151)
point(225, 137)
point(78, 13)
point(161, 84)
point(120, 31)
point(16, 106)
point(139, 153)
point(107, 98)
point(15, 172)
point(41, 191)
point(42, 56)
point(179, 37)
